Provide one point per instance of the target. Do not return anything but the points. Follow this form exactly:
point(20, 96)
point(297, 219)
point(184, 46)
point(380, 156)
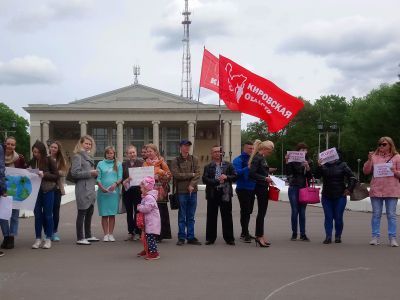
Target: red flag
point(247, 92)
point(209, 72)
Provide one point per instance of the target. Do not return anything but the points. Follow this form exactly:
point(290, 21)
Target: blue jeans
point(44, 214)
point(377, 205)
point(334, 210)
point(298, 210)
point(10, 228)
point(187, 209)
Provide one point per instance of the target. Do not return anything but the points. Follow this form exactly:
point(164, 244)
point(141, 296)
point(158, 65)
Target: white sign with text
point(296, 156)
point(328, 156)
point(139, 173)
point(383, 170)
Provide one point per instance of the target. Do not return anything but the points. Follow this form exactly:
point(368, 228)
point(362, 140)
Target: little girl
point(152, 220)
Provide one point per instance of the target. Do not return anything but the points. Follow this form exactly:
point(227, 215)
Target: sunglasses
point(382, 144)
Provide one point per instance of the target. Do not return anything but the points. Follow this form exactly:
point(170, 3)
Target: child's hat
point(148, 183)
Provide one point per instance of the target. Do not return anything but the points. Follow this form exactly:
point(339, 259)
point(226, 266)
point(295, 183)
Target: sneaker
point(374, 241)
point(106, 238)
point(294, 237)
point(247, 239)
point(304, 238)
point(136, 237)
point(231, 243)
point(47, 244)
point(55, 237)
point(393, 242)
point(1, 253)
point(83, 242)
point(130, 237)
point(328, 240)
point(181, 242)
point(152, 256)
point(37, 243)
point(194, 241)
point(93, 239)
point(111, 238)
point(141, 253)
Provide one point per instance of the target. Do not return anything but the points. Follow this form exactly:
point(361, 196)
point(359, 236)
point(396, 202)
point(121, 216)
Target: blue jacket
point(242, 169)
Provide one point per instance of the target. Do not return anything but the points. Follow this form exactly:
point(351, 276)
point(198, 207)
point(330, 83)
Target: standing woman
point(109, 178)
point(12, 160)
point(384, 189)
point(131, 195)
point(57, 154)
point(44, 204)
point(162, 176)
point(298, 173)
point(84, 172)
point(259, 172)
point(338, 183)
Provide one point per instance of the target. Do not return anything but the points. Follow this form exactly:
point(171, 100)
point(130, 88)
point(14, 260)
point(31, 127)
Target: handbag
point(140, 220)
point(360, 192)
point(309, 194)
point(173, 198)
point(273, 193)
point(69, 177)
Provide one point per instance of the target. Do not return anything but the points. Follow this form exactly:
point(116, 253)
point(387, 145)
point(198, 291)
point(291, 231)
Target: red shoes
point(152, 256)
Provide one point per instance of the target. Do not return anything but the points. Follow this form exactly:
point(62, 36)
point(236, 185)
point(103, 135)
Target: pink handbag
point(309, 194)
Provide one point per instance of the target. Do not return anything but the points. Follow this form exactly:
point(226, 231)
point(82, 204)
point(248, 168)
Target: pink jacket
point(384, 186)
point(148, 206)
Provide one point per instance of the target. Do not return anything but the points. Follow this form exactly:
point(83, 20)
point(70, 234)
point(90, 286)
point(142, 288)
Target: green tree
point(7, 116)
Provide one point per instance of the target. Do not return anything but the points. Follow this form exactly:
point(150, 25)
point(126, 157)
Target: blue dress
point(108, 202)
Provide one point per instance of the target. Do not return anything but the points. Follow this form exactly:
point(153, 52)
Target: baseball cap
point(185, 142)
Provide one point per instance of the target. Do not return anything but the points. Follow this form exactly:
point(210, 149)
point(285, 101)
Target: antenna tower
point(136, 73)
point(186, 89)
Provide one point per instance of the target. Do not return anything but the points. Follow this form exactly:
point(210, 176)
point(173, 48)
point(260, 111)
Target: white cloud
point(28, 70)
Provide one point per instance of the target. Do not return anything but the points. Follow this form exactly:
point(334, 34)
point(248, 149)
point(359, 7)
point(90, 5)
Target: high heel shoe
point(258, 243)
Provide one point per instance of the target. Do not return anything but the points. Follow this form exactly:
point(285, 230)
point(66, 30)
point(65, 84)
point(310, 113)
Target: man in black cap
point(186, 171)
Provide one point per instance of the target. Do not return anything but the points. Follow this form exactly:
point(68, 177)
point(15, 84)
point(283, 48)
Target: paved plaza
point(286, 270)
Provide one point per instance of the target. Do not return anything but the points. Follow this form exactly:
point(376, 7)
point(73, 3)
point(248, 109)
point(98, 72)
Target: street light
point(6, 131)
point(358, 168)
point(326, 127)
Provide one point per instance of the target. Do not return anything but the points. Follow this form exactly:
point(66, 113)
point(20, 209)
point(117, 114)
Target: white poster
point(5, 207)
point(23, 186)
point(297, 156)
point(328, 155)
point(383, 170)
point(138, 174)
point(279, 183)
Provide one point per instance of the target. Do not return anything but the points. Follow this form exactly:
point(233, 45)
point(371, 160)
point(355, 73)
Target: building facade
point(138, 115)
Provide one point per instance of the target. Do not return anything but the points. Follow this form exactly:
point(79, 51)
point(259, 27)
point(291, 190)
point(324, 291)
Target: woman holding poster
point(162, 176)
point(298, 172)
point(384, 164)
point(338, 183)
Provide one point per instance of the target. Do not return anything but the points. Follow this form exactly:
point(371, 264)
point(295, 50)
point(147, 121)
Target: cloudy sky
point(57, 51)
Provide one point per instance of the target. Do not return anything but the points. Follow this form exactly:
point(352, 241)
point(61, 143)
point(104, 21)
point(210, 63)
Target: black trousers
point(212, 218)
point(246, 201)
point(132, 197)
point(165, 224)
point(84, 217)
point(261, 192)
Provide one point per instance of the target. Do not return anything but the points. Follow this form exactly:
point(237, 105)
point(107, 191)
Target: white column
point(35, 132)
point(191, 136)
point(236, 136)
point(120, 140)
point(45, 131)
point(156, 133)
point(225, 139)
point(83, 127)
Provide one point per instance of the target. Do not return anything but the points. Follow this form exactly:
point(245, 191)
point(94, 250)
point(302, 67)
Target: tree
point(7, 116)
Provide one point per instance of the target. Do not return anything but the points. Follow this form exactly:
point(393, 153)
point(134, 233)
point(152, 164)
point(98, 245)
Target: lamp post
point(326, 127)
point(320, 127)
point(6, 131)
point(358, 168)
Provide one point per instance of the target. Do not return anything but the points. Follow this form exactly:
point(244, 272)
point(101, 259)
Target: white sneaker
point(393, 242)
point(93, 239)
point(36, 244)
point(374, 241)
point(47, 244)
point(106, 238)
point(83, 242)
point(111, 238)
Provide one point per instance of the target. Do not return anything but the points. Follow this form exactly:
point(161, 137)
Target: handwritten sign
point(297, 156)
point(328, 155)
point(383, 170)
point(138, 174)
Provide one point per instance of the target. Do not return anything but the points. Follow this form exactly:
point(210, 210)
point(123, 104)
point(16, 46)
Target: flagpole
point(197, 118)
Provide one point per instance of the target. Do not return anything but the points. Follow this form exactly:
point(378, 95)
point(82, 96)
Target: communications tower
point(186, 84)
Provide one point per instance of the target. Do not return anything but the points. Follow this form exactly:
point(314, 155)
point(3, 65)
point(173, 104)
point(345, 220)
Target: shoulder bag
point(309, 194)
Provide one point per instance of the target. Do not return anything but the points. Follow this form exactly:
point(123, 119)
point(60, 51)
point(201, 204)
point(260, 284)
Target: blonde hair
point(258, 145)
point(389, 140)
point(130, 147)
point(78, 146)
point(108, 149)
point(154, 148)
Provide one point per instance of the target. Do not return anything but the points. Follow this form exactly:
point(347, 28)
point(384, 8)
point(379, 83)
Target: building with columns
point(137, 115)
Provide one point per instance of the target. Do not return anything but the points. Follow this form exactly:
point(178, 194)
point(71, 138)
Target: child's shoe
point(152, 256)
point(141, 253)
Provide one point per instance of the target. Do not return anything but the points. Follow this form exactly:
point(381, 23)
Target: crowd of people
point(146, 208)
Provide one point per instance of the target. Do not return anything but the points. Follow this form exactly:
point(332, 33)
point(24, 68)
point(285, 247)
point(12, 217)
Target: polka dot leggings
point(151, 242)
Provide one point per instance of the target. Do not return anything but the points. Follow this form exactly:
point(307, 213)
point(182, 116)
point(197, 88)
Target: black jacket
point(297, 175)
point(259, 170)
point(212, 183)
point(335, 175)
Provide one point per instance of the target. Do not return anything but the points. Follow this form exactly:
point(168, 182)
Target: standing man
point(3, 187)
point(245, 189)
point(186, 172)
point(218, 177)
